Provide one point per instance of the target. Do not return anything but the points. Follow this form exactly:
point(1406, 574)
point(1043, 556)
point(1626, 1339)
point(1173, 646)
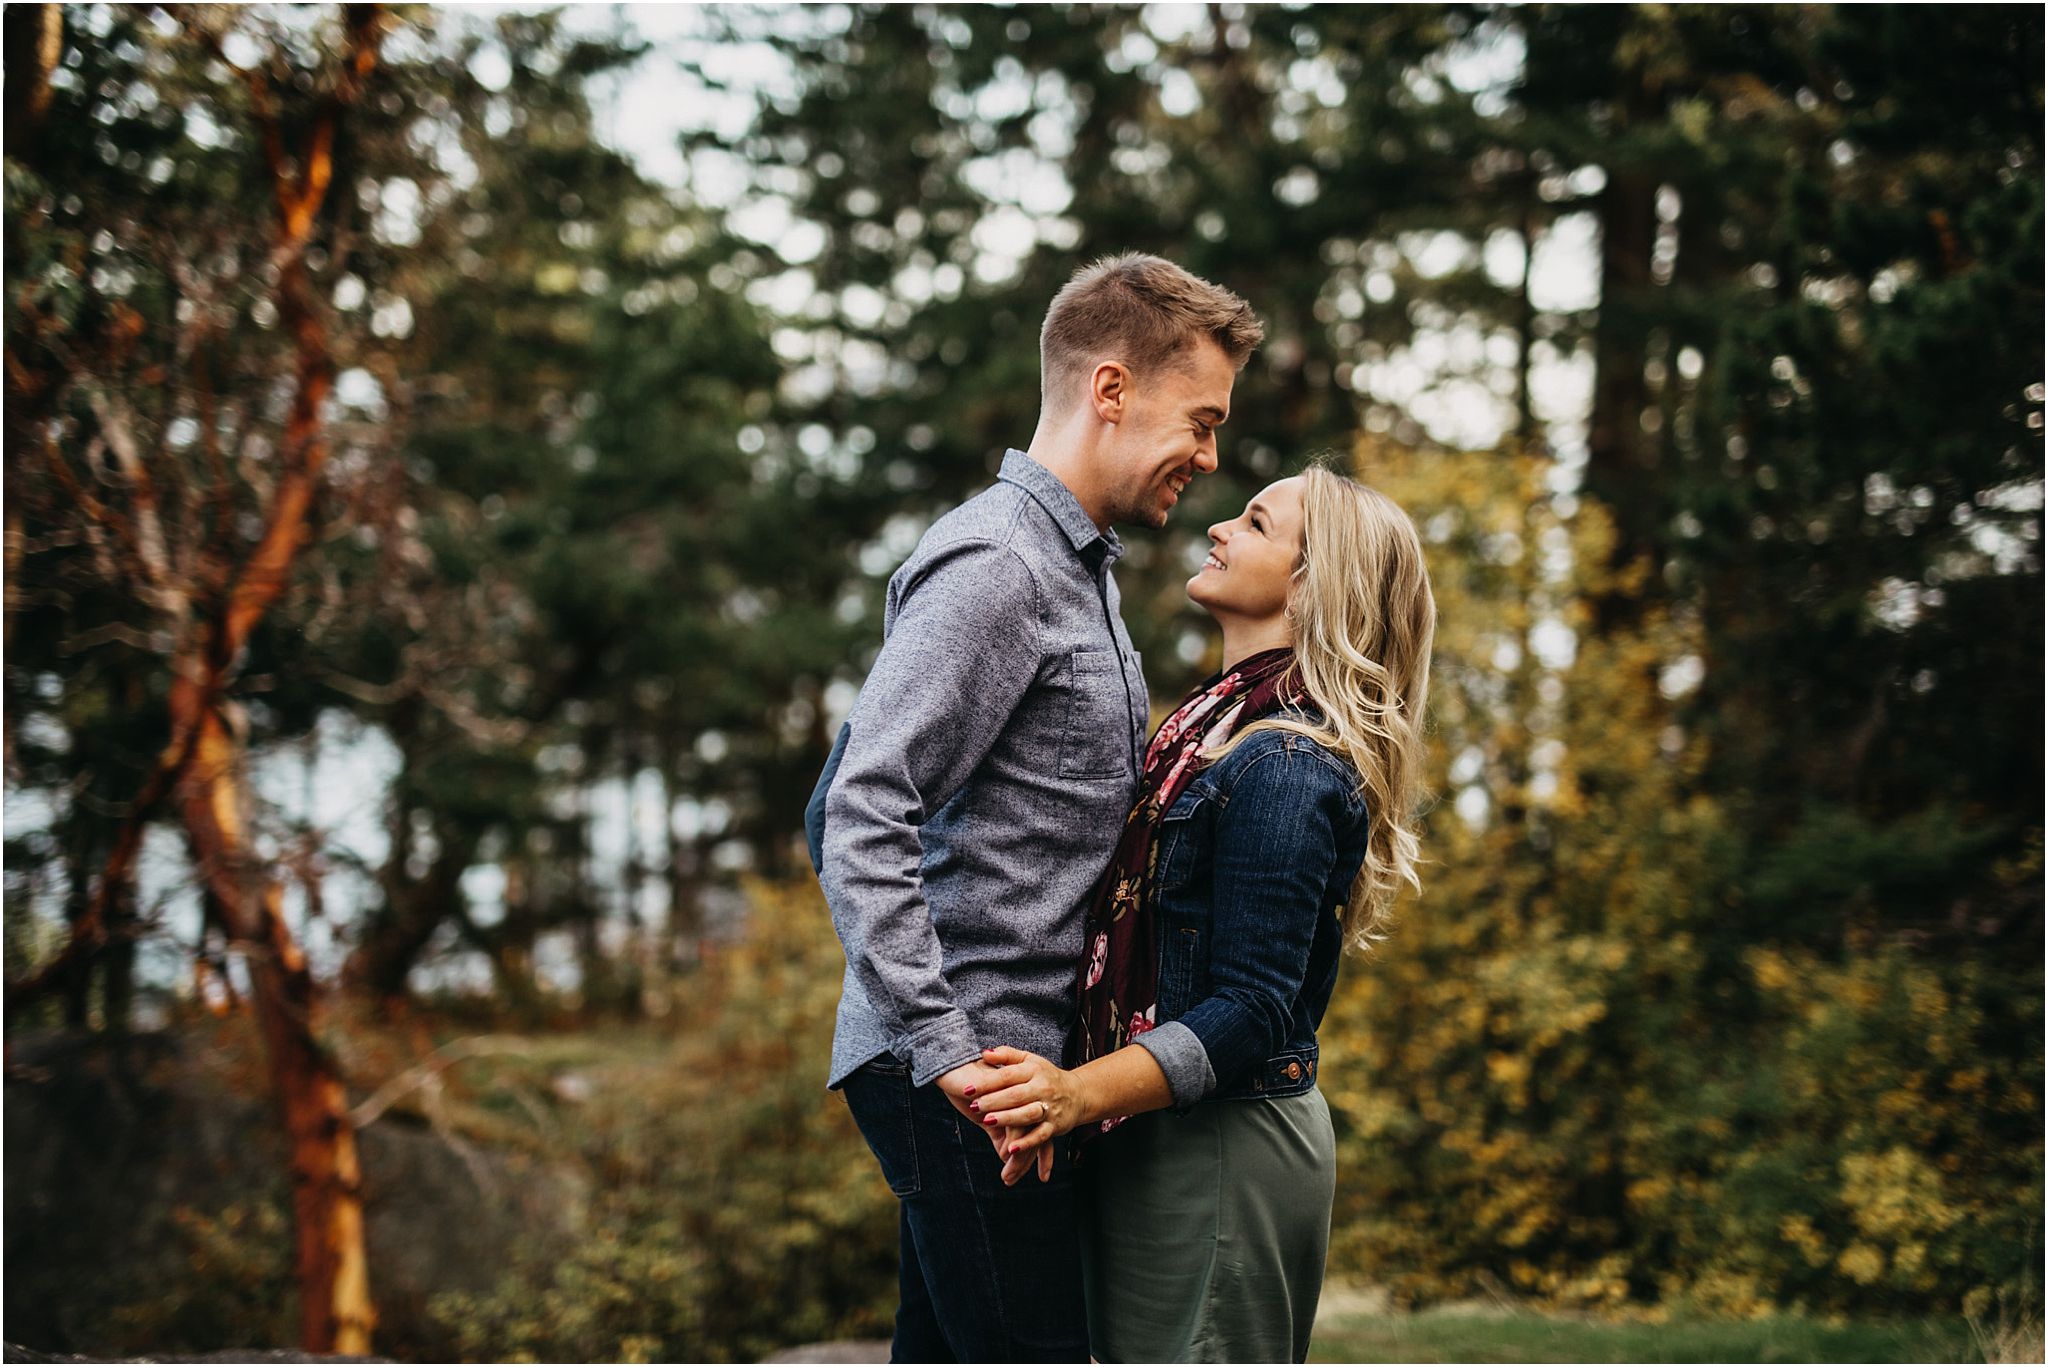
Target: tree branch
point(454, 1052)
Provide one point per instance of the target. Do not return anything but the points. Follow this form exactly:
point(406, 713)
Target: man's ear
point(1109, 390)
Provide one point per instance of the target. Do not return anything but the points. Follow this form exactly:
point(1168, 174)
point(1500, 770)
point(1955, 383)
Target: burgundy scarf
point(1120, 974)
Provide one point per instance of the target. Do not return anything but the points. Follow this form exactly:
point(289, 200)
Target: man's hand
point(1023, 1156)
point(961, 1086)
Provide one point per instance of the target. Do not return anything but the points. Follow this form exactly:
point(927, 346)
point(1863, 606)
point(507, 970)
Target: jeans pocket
point(878, 1094)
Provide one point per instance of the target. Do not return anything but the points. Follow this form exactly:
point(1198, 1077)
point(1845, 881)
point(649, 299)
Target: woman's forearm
point(1039, 1100)
point(1126, 1082)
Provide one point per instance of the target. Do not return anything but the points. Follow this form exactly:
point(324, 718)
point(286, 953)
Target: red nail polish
point(968, 1092)
point(988, 1120)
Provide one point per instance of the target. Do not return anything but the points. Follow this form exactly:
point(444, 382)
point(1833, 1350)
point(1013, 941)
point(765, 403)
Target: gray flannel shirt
point(989, 765)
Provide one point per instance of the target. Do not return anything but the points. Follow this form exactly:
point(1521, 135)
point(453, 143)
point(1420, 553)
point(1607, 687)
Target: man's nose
point(1205, 456)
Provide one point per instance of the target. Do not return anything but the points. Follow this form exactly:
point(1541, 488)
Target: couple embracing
point(1021, 881)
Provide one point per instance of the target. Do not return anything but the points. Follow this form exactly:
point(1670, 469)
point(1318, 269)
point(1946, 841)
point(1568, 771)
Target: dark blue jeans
point(990, 1273)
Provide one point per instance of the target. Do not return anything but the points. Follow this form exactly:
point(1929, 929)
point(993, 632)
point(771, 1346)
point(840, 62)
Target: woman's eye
point(1257, 526)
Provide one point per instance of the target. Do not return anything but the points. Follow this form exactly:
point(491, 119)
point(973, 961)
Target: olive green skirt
point(1204, 1234)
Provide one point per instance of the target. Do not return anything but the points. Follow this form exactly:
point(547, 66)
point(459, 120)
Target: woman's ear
point(1109, 389)
point(1297, 583)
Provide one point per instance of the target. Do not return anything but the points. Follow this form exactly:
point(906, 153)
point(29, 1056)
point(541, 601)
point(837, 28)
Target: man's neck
point(1059, 449)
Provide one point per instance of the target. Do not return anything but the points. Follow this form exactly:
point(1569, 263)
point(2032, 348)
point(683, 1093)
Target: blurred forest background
point(440, 541)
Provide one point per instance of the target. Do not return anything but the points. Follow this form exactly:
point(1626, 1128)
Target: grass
point(1462, 1335)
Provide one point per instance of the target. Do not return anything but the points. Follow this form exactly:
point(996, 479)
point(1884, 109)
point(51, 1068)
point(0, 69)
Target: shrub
point(738, 1209)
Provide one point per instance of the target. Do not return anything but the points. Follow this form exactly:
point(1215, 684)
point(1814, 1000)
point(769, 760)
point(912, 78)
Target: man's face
point(1167, 435)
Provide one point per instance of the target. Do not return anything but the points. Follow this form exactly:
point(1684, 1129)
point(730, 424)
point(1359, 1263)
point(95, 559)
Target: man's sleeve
point(959, 656)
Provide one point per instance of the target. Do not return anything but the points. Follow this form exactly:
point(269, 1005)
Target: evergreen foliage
point(1726, 984)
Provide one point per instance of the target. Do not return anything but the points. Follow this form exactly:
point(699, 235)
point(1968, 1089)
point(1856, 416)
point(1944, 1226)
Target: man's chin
point(1152, 515)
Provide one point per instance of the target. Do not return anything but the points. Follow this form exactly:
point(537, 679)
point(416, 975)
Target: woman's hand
point(1035, 1099)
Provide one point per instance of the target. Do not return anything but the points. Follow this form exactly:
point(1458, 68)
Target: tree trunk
point(413, 910)
point(34, 45)
point(336, 1315)
point(1525, 323)
point(1617, 459)
point(117, 965)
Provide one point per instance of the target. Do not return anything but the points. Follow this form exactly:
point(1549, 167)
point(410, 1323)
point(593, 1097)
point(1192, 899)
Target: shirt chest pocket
point(1095, 741)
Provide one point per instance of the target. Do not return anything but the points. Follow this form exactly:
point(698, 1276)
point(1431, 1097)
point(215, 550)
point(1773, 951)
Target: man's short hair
point(1142, 311)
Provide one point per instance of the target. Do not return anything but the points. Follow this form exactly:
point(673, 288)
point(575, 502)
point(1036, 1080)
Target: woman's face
point(1252, 557)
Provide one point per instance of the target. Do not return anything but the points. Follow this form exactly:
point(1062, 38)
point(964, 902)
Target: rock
point(574, 1088)
point(16, 1353)
point(848, 1350)
point(147, 1203)
point(1343, 1301)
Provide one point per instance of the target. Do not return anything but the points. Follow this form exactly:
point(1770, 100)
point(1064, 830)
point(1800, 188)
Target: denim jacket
point(1255, 862)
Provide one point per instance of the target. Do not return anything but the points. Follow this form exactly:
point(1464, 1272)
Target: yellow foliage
point(1562, 1067)
point(1771, 971)
point(1798, 1231)
point(1896, 1192)
point(1863, 1263)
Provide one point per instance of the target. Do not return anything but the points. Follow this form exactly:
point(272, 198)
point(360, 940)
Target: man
point(984, 777)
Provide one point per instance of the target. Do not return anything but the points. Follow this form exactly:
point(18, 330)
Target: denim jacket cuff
point(941, 1047)
point(1180, 1055)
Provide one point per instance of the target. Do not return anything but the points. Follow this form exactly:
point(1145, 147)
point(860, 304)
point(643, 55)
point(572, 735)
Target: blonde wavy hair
point(1363, 619)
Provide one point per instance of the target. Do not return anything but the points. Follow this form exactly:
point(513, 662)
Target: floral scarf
point(1120, 976)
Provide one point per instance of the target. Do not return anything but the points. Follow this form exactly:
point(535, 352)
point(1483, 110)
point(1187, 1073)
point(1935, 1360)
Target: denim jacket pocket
point(1178, 838)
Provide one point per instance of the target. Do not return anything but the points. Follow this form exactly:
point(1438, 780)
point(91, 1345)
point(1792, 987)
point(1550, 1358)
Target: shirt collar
point(1056, 498)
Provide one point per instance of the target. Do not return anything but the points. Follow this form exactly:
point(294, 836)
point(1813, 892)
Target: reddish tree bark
point(200, 770)
point(336, 1313)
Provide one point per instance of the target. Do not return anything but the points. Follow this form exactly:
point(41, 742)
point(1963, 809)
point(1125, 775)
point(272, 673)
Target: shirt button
point(1294, 1072)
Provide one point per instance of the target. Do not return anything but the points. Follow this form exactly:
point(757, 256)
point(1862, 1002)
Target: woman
point(1272, 828)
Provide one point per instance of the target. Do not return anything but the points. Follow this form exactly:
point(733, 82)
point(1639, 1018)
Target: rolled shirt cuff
point(1182, 1058)
point(941, 1047)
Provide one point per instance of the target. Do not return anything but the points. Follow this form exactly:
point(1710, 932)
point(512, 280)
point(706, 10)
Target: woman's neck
point(1243, 639)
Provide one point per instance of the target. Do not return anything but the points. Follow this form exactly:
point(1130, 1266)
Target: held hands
point(961, 1086)
point(1034, 1101)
